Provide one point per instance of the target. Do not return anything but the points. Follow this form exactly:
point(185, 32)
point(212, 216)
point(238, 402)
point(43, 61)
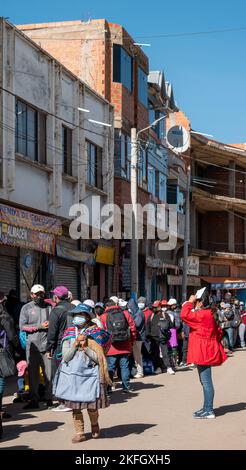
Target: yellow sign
point(105, 255)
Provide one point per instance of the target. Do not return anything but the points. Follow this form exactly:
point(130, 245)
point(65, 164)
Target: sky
point(207, 71)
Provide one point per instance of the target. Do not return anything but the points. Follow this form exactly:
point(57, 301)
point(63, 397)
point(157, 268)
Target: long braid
point(101, 359)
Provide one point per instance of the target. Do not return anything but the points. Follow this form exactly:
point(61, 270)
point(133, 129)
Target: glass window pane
point(31, 134)
point(21, 128)
point(142, 87)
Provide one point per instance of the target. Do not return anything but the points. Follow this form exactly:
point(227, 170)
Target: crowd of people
point(72, 354)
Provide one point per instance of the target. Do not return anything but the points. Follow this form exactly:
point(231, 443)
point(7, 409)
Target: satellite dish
point(178, 139)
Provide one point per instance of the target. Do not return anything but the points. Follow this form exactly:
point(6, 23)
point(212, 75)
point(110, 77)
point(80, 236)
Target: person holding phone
point(204, 348)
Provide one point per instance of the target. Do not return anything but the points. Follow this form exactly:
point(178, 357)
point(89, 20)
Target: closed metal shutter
point(8, 273)
point(67, 275)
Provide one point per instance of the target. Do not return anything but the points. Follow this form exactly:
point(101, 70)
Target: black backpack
point(118, 326)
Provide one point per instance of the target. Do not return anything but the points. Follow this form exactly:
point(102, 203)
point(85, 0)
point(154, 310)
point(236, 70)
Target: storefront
point(225, 288)
point(26, 239)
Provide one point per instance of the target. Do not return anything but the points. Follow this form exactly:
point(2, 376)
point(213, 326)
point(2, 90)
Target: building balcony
point(206, 201)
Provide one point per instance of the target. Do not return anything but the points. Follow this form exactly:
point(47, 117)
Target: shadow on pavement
point(16, 415)
point(13, 431)
point(223, 410)
point(119, 397)
point(16, 448)
point(123, 430)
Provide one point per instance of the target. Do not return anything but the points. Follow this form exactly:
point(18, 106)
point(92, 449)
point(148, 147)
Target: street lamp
point(134, 159)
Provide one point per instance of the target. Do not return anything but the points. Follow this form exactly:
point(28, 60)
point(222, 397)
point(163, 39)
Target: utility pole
point(134, 188)
point(134, 242)
point(186, 236)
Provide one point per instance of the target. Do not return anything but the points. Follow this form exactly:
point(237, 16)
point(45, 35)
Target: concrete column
point(231, 218)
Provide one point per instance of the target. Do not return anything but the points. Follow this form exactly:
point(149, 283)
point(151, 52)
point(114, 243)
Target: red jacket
point(124, 347)
point(243, 317)
point(147, 312)
point(204, 347)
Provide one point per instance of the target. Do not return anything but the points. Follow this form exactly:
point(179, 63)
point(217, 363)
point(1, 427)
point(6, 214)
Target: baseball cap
point(156, 303)
point(114, 299)
point(37, 288)
point(90, 303)
point(227, 306)
point(60, 291)
point(81, 308)
point(99, 304)
point(164, 302)
point(172, 302)
point(76, 302)
point(122, 303)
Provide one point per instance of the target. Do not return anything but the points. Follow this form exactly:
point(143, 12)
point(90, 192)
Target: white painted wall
point(42, 82)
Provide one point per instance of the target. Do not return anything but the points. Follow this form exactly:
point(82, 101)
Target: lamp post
point(134, 183)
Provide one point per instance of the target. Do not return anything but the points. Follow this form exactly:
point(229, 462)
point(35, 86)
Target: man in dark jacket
point(139, 320)
point(157, 331)
point(34, 320)
point(59, 321)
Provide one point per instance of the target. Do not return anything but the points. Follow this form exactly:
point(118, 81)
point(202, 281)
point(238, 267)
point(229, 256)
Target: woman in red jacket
point(204, 349)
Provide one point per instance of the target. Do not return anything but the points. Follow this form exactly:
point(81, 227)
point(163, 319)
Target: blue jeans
point(2, 386)
point(230, 335)
point(205, 376)
point(123, 361)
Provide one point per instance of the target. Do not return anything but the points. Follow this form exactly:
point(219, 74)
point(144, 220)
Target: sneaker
point(206, 415)
point(31, 405)
point(50, 405)
point(158, 371)
point(138, 376)
point(196, 414)
point(61, 407)
point(128, 390)
point(170, 371)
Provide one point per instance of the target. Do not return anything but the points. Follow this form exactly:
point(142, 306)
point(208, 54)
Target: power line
point(151, 36)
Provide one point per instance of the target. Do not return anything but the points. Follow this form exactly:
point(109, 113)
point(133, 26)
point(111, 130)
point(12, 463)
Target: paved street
point(159, 416)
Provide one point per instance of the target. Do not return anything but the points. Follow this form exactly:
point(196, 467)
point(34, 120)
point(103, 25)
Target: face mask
point(79, 321)
point(141, 305)
point(164, 309)
point(39, 300)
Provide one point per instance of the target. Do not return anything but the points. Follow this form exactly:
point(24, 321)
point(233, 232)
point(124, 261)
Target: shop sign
point(74, 255)
point(105, 255)
point(29, 220)
point(26, 238)
point(229, 285)
point(192, 265)
point(177, 281)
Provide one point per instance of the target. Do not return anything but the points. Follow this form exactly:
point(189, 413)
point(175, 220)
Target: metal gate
point(67, 275)
point(8, 273)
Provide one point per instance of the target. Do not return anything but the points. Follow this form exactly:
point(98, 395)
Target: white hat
point(172, 302)
point(90, 303)
point(76, 302)
point(114, 299)
point(122, 303)
point(37, 288)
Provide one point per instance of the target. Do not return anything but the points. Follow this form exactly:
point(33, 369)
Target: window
point(122, 67)
point(151, 113)
point(160, 128)
point(94, 165)
point(123, 155)
point(151, 180)
point(30, 132)
point(142, 87)
point(162, 187)
point(26, 131)
point(67, 150)
point(172, 193)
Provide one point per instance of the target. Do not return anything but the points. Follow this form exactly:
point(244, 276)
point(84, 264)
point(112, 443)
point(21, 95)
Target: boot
point(95, 431)
point(78, 421)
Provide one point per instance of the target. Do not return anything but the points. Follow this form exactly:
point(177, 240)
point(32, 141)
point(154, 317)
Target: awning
point(225, 283)
point(65, 252)
point(105, 255)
